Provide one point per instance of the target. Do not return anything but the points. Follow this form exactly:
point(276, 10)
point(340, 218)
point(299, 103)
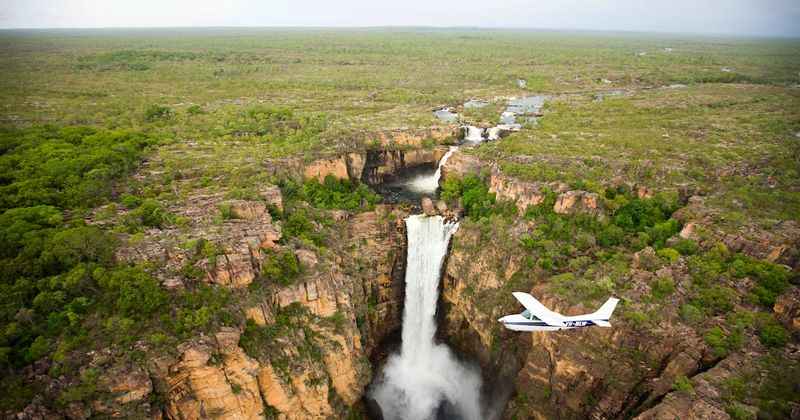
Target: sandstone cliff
point(625, 371)
point(323, 327)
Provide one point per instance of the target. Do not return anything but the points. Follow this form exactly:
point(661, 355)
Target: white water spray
point(427, 184)
point(417, 381)
point(473, 134)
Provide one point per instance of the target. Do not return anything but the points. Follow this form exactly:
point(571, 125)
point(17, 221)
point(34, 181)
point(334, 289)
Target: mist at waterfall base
point(425, 380)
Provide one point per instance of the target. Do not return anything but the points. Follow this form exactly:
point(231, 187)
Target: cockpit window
point(528, 315)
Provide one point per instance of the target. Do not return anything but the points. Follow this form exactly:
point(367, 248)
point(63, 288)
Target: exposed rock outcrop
point(237, 243)
point(577, 202)
point(347, 166)
point(461, 164)
point(428, 207)
point(226, 388)
point(354, 292)
point(524, 194)
point(596, 373)
point(415, 138)
point(787, 310)
point(779, 243)
point(703, 401)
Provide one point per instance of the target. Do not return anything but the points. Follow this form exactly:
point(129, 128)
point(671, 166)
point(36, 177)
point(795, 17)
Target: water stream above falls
point(518, 112)
point(424, 380)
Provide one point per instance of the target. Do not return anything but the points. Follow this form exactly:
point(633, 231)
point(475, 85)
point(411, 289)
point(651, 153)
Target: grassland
point(736, 143)
point(351, 82)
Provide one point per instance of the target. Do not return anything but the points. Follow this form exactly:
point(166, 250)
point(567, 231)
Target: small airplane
point(537, 317)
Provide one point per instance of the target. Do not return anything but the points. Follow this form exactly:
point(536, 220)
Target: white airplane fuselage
point(517, 322)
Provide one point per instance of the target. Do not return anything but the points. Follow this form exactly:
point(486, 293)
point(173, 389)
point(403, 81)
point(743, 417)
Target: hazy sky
point(763, 17)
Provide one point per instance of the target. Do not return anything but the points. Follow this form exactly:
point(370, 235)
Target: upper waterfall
point(427, 184)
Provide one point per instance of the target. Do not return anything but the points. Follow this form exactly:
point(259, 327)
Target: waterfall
point(438, 174)
point(493, 133)
point(473, 134)
point(427, 184)
point(425, 379)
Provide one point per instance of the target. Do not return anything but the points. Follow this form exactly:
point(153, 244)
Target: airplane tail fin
point(605, 311)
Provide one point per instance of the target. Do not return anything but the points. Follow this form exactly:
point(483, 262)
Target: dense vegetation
point(334, 193)
point(62, 290)
point(58, 275)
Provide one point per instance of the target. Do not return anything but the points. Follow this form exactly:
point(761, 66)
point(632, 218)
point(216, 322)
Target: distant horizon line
point(409, 27)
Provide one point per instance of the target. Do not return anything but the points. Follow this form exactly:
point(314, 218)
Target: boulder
point(441, 206)
point(127, 383)
point(308, 259)
point(643, 192)
point(427, 206)
point(688, 230)
point(461, 165)
point(272, 196)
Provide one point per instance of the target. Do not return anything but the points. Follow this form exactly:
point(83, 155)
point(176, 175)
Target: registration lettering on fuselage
point(576, 323)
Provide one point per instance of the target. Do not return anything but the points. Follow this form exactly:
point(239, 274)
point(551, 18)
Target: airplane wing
point(530, 303)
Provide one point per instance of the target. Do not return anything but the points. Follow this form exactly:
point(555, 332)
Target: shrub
point(663, 287)
point(611, 235)
point(226, 211)
point(299, 225)
point(342, 194)
point(194, 110)
point(201, 308)
point(149, 213)
point(131, 291)
point(637, 318)
point(662, 231)
point(715, 300)
point(158, 112)
point(281, 267)
point(584, 241)
point(639, 214)
point(38, 349)
point(668, 254)
point(83, 391)
point(738, 412)
point(772, 279)
point(686, 247)
point(475, 197)
point(683, 384)
point(130, 201)
point(545, 208)
point(691, 314)
point(723, 344)
point(773, 335)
